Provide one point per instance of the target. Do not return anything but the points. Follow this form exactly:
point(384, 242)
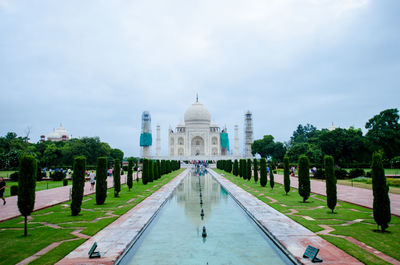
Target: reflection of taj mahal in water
point(197, 137)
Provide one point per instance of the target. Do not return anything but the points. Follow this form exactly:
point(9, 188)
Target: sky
point(94, 66)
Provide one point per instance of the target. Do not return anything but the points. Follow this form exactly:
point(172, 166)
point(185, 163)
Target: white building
point(197, 137)
point(59, 134)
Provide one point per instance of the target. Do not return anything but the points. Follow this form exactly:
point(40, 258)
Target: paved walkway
point(47, 198)
point(345, 193)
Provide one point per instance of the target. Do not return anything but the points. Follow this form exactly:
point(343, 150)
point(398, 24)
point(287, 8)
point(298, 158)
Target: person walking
point(2, 189)
point(92, 180)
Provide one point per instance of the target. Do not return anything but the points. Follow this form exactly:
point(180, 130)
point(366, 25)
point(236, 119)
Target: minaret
point(236, 150)
point(248, 134)
point(145, 136)
point(158, 141)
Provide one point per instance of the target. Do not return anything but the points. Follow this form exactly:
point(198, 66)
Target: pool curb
point(290, 237)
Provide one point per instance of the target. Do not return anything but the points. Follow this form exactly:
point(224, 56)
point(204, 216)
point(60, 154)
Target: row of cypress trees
point(381, 202)
point(154, 169)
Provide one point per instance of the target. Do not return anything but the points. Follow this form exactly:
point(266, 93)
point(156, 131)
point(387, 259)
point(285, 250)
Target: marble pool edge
point(291, 237)
point(114, 240)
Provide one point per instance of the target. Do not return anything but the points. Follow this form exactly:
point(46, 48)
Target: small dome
point(197, 113)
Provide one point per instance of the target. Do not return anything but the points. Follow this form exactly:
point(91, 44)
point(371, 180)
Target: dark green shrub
point(14, 176)
point(304, 177)
point(151, 168)
point(26, 187)
point(286, 174)
point(78, 184)
point(271, 179)
point(331, 192)
point(145, 172)
point(241, 168)
point(101, 180)
point(263, 172)
point(117, 177)
point(255, 169)
point(228, 166)
point(340, 173)
point(320, 174)
point(57, 176)
point(381, 204)
point(356, 172)
point(249, 171)
point(168, 166)
point(163, 170)
point(65, 182)
point(235, 168)
point(159, 169)
point(129, 180)
point(14, 190)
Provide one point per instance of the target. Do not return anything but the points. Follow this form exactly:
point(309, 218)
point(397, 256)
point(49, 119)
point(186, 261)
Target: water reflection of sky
point(174, 237)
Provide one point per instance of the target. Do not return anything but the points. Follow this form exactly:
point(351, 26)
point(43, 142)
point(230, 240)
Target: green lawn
point(363, 231)
point(6, 174)
point(40, 234)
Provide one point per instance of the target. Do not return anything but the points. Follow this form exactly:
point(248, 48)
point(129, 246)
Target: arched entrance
point(197, 146)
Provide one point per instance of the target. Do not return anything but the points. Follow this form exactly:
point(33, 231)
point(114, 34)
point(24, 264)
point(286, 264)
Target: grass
point(363, 231)
point(6, 174)
point(91, 220)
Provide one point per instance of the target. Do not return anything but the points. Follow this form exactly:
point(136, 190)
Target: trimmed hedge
point(117, 177)
point(286, 174)
point(304, 177)
point(78, 184)
point(101, 180)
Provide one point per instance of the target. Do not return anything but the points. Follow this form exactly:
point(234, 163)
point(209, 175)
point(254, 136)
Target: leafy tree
point(271, 179)
point(286, 174)
point(235, 168)
point(129, 180)
point(248, 173)
point(101, 179)
point(331, 193)
point(263, 172)
point(381, 204)
point(145, 172)
point(384, 132)
point(304, 177)
point(78, 184)
point(255, 168)
point(117, 154)
point(266, 147)
point(117, 177)
point(303, 134)
point(26, 187)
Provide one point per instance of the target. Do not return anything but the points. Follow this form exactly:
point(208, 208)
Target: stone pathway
point(47, 198)
point(354, 195)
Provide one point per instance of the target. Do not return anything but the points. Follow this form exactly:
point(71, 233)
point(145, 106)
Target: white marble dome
point(58, 134)
point(197, 113)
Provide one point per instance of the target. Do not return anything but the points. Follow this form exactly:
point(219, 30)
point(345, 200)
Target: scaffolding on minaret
point(248, 134)
point(146, 139)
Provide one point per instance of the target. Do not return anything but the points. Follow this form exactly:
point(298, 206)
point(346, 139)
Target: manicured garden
point(56, 224)
point(348, 220)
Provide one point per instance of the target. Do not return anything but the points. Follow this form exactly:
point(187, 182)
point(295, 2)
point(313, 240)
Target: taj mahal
point(197, 138)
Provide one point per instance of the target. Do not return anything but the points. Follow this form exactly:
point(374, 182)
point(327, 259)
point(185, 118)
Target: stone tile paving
point(117, 237)
point(47, 198)
point(294, 237)
point(355, 195)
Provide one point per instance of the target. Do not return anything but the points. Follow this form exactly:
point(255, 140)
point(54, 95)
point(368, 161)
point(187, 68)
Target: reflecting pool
point(175, 234)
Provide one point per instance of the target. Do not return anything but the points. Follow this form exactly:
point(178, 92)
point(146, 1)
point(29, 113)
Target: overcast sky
point(95, 66)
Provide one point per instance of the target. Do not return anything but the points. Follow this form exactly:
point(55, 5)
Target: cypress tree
point(162, 167)
point(263, 172)
point(244, 169)
point(235, 167)
point(255, 169)
point(331, 194)
point(168, 166)
point(271, 178)
point(78, 184)
point(381, 204)
point(101, 179)
point(158, 169)
point(26, 187)
point(145, 171)
point(129, 180)
point(229, 166)
point(249, 173)
point(151, 172)
point(241, 168)
point(286, 174)
point(117, 177)
point(304, 177)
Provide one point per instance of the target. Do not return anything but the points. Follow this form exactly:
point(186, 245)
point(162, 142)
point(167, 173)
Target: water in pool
point(175, 235)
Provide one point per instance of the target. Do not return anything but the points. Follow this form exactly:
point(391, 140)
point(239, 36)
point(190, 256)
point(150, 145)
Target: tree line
point(349, 147)
point(54, 154)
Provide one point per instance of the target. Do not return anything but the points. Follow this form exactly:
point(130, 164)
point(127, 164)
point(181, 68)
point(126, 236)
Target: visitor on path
point(2, 189)
point(292, 170)
point(92, 179)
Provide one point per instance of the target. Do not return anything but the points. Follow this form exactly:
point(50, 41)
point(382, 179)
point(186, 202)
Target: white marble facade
point(196, 136)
